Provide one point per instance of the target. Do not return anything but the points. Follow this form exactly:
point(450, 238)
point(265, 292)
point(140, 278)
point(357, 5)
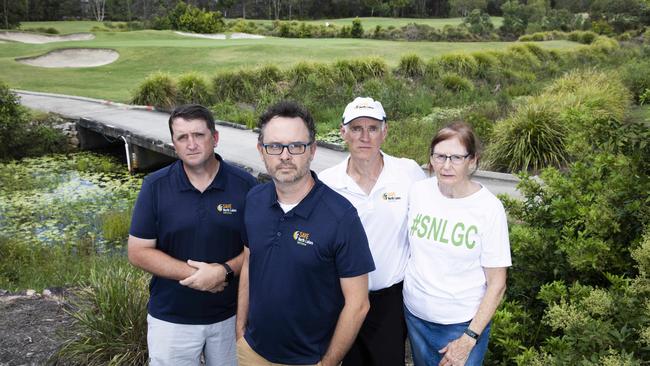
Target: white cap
point(363, 107)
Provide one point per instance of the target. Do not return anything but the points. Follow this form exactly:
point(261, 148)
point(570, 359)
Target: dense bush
point(357, 28)
point(158, 89)
point(22, 135)
point(187, 17)
point(110, 313)
point(573, 296)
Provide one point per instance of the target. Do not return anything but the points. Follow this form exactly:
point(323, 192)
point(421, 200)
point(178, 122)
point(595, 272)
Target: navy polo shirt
point(295, 265)
point(188, 224)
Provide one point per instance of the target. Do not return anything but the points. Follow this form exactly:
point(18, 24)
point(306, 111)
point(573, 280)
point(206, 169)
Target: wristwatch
point(229, 272)
point(471, 333)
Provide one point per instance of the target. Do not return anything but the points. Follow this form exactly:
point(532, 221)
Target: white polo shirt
point(383, 214)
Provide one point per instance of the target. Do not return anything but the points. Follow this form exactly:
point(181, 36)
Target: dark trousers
point(383, 333)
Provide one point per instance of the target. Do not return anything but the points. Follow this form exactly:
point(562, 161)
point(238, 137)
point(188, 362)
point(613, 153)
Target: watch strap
point(472, 333)
point(230, 274)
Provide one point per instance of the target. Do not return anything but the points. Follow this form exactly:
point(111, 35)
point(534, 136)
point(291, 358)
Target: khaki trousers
point(248, 357)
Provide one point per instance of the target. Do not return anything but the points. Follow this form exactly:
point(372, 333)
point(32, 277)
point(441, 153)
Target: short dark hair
point(466, 136)
point(289, 109)
point(192, 111)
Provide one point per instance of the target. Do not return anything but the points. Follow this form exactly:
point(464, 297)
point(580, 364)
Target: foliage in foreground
point(19, 135)
point(110, 313)
point(579, 289)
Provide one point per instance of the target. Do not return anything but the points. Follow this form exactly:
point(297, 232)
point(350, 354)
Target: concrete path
point(235, 145)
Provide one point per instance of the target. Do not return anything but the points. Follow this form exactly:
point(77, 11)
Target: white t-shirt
point(382, 212)
point(451, 240)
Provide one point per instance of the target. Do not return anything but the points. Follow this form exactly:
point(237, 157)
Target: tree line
point(520, 16)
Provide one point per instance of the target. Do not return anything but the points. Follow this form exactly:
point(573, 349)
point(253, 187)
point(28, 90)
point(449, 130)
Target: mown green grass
point(371, 23)
point(144, 52)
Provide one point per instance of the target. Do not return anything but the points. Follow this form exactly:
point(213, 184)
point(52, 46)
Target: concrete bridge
point(145, 135)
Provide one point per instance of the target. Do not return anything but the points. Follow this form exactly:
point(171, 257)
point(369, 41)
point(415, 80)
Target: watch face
point(229, 276)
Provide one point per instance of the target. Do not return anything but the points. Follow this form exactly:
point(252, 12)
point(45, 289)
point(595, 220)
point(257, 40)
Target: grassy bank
point(143, 52)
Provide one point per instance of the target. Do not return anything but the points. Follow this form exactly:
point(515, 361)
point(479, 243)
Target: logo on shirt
point(442, 231)
point(391, 196)
point(226, 208)
point(302, 238)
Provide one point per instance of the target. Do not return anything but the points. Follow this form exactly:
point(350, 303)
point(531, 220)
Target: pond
point(63, 198)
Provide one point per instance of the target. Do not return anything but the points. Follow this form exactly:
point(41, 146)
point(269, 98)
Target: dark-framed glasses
point(294, 148)
point(442, 158)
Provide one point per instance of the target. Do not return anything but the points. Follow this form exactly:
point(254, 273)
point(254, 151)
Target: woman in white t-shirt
point(456, 275)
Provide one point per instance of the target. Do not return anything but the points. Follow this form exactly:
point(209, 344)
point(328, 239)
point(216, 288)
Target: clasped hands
point(209, 277)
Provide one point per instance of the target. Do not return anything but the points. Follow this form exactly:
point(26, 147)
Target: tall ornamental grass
point(577, 113)
point(110, 314)
point(158, 89)
point(193, 88)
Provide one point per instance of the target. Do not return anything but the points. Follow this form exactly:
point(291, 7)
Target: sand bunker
point(26, 37)
point(73, 57)
point(221, 35)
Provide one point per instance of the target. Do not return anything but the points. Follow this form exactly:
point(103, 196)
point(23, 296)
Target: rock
point(47, 292)
point(30, 292)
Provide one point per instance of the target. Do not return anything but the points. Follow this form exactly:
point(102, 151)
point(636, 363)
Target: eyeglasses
point(442, 158)
point(294, 148)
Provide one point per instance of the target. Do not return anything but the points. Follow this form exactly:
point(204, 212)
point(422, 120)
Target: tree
point(357, 28)
point(479, 23)
point(515, 18)
point(462, 8)
point(97, 8)
point(10, 14)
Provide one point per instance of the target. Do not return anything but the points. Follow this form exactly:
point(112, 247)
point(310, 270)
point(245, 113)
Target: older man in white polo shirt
point(377, 184)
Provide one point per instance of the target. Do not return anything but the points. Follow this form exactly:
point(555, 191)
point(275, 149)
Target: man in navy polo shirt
point(304, 285)
point(187, 230)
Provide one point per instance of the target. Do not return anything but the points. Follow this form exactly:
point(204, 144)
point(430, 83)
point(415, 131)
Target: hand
point(208, 277)
point(457, 351)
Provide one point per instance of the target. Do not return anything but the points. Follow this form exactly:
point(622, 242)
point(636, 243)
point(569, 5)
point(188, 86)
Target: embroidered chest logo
point(390, 196)
point(302, 238)
point(226, 208)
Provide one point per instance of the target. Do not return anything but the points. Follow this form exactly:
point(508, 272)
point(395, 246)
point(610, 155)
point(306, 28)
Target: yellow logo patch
point(391, 196)
point(226, 208)
point(302, 238)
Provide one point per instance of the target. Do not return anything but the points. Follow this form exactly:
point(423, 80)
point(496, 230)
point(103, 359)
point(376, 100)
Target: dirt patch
point(31, 328)
point(73, 57)
point(34, 38)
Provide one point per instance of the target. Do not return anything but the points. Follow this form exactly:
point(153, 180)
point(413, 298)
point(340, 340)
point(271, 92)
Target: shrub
point(531, 139)
point(456, 82)
point(193, 88)
point(636, 76)
point(479, 23)
point(410, 66)
point(110, 313)
point(358, 70)
point(241, 115)
point(158, 89)
point(461, 64)
point(357, 29)
point(20, 134)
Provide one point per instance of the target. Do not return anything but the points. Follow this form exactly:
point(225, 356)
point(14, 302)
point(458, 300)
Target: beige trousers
point(248, 357)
